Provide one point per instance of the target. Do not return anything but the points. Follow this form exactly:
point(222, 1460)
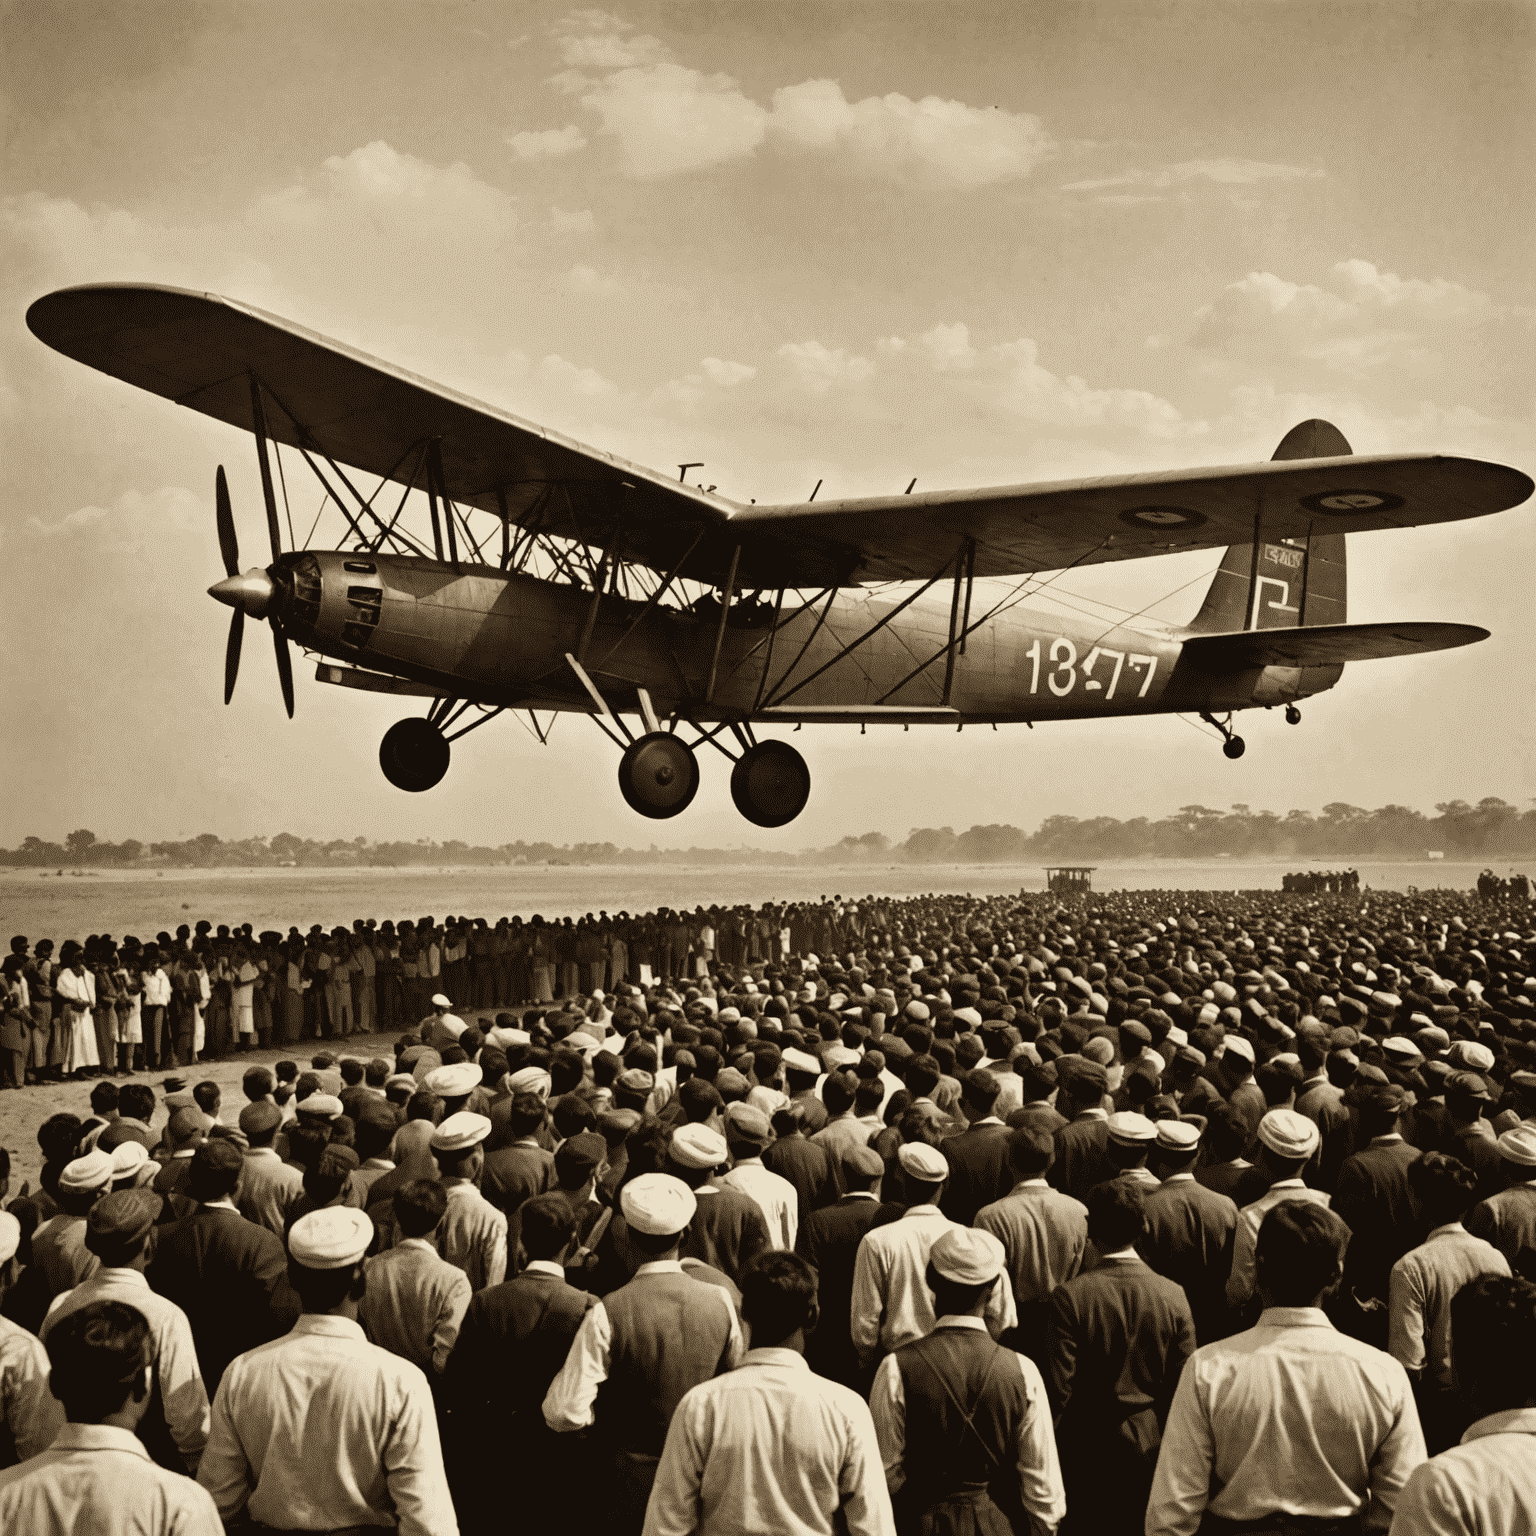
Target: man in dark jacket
point(227, 1274)
point(978, 1156)
point(806, 1165)
point(1119, 1337)
point(1081, 1160)
point(829, 1241)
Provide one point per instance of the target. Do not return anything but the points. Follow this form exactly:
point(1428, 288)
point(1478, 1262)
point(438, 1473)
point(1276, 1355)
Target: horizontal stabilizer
point(1324, 645)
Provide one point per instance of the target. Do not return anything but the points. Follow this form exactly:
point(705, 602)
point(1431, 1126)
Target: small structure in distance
point(1070, 880)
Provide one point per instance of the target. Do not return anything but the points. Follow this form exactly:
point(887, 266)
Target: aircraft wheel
point(1233, 746)
point(1292, 715)
point(658, 775)
point(414, 755)
point(770, 784)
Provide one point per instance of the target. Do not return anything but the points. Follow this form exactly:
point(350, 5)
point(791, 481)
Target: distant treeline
point(1490, 829)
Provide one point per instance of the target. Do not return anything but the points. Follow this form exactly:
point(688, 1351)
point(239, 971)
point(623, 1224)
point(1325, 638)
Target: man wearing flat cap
point(1287, 1141)
point(1081, 1158)
point(891, 1302)
point(174, 1428)
point(1508, 1219)
point(963, 1424)
point(1375, 1201)
point(728, 1229)
point(1190, 1229)
point(473, 1234)
point(58, 1245)
point(748, 1131)
point(226, 1273)
point(643, 1347)
point(321, 1430)
point(269, 1187)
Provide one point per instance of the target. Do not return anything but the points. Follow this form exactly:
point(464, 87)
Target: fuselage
point(502, 639)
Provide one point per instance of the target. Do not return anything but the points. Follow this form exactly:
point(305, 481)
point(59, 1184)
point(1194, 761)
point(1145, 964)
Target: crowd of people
point(945, 1216)
point(1322, 882)
point(1517, 887)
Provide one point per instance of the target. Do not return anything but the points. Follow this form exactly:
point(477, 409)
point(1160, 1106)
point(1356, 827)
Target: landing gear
point(1292, 715)
point(770, 784)
point(1231, 746)
point(658, 775)
point(414, 755)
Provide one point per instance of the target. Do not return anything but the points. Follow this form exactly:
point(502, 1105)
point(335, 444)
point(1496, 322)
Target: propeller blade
point(284, 665)
point(229, 546)
point(232, 652)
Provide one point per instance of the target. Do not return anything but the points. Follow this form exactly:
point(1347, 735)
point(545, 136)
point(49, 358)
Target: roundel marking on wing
point(1162, 517)
point(1342, 502)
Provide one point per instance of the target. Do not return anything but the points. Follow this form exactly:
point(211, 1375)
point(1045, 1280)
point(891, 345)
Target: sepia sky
point(973, 243)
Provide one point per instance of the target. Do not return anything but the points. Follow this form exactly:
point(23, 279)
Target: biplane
point(546, 576)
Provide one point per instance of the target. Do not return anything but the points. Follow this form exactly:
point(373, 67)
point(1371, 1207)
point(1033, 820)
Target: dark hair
point(306, 1143)
point(981, 1089)
point(321, 1290)
point(257, 1082)
point(837, 1094)
point(286, 1071)
point(98, 1355)
point(58, 1136)
point(699, 1100)
point(422, 1105)
point(372, 1138)
point(1299, 1250)
point(376, 1071)
point(104, 1096)
point(1031, 1152)
point(1278, 1080)
point(1116, 1214)
point(1226, 1133)
point(921, 1076)
point(419, 1206)
point(868, 1096)
point(1446, 1187)
point(548, 1224)
point(778, 1295)
point(352, 1072)
point(525, 1114)
point(573, 1115)
point(206, 1095)
point(136, 1101)
point(1493, 1341)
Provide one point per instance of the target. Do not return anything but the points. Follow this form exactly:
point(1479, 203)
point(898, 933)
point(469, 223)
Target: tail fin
point(1285, 584)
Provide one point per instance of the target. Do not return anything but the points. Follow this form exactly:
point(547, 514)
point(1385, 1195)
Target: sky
point(975, 244)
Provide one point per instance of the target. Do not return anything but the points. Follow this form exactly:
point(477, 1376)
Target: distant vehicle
point(570, 602)
point(1070, 880)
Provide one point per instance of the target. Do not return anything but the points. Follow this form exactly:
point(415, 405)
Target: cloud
point(668, 118)
point(1228, 172)
point(134, 523)
point(1363, 321)
point(819, 368)
point(726, 375)
point(564, 223)
point(548, 143)
point(585, 279)
point(573, 378)
point(894, 136)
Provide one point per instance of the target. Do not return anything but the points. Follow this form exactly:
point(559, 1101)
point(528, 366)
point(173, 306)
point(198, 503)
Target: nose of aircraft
point(251, 593)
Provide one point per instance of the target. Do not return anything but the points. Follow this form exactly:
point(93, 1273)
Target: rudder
point(1290, 582)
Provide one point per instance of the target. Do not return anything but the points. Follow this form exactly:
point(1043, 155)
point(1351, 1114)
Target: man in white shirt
point(1423, 1284)
point(892, 1304)
point(321, 1430)
point(473, 1234)
point(175, 1425)
point(747, 1132)
point(30, 1416)
point(1291, 1419)
point(1488, 1482)
point(769, 1446)
point(96, 1476)
point(1288, 1140)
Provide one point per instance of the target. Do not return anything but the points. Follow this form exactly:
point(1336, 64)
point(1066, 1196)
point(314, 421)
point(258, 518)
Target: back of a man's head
point(525, 1114)
point(215, 1171)
point(778, 1296)
point(699, 1100)
point(419, 1207)
point(838, 1093)
point(1445, 1186)
point(921, 1076)
point(1031, 1151)
point(207, 1096)
point(548, 1225)
point(352, 1072)
point(1116, 1214)
point(257, 1083)
point(1493, 1343)
point(1299, 1254)
point(423, 1105)
point(104, 1097)
point(136, 1101)
point(98, 1355)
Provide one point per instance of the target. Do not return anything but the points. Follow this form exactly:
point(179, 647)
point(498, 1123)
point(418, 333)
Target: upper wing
point(201, 350)
point(1324, 645)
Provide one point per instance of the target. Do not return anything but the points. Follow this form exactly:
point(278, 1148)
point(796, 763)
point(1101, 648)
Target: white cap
point(923, 1162)
point(10, 1236)
point(1288, 1134)
point(325, 1105)
point(460, 1132)
point(800, 1061)
point(696, 1146)
point(331, 1238)
point(128, 1158)
point(1239, 1045)
point(1131, 1129)
point(439, 1001)
point(453, 1082)
point(968, 1256)
point(531, 1080)
point(657, 1204)
point(89, 1172)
